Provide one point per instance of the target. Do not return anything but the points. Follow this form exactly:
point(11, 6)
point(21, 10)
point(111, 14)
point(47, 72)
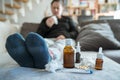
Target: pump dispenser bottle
point(78, 51)
point(99, 60)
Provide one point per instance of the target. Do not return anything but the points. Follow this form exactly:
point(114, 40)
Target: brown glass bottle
point(99, 60)
point(68, 52)
point(99, 64)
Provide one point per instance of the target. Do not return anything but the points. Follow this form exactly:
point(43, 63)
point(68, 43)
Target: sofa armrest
point(113, 54)
point(6, 29)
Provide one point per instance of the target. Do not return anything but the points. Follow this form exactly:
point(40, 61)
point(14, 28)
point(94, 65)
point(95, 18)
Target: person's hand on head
point(60, 37)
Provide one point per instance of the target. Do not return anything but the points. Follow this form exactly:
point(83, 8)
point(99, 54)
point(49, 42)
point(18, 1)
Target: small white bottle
point(78, 51)
point(99, 60)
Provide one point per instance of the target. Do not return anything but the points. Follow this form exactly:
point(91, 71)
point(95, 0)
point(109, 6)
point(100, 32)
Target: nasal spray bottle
point(78, 51)
point(99, 60)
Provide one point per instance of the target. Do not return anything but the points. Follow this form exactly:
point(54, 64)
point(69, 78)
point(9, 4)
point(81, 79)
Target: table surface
point(111, 71)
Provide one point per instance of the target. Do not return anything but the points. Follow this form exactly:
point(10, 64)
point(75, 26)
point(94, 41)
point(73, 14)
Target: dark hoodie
point(65, 27)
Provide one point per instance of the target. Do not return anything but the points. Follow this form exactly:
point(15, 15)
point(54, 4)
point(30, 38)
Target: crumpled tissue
point(53, 65)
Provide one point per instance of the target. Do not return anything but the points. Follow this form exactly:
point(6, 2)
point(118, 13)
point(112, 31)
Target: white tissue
point(53, 65)
point(87, 62)
point(55, 19)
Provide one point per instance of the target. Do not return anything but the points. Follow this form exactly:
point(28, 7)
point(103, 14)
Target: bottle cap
point(78, 47)
point(100, 53)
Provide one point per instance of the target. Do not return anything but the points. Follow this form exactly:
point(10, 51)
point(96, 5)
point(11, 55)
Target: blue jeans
point(30, 52)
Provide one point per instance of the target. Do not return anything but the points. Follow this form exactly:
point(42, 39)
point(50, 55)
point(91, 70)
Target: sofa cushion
point(93, 36)
point(28, 27)
point(115, 26)
point(92, 22)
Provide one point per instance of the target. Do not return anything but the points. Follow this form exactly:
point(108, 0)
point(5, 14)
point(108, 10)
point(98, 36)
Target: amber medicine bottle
point(78, 51)
point(68, 55)
point(99, 60)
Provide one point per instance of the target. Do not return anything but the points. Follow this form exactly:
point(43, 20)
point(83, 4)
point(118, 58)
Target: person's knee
point(33, 34)
point(14, 36)
point(34, 38)
point(14, 40)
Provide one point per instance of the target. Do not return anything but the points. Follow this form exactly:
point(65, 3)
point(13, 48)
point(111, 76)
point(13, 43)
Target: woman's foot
point(36, 45)
point(16, 48)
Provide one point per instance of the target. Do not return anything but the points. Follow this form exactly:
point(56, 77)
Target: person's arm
point(72, 31)
point(73, 28)
point(43, 28)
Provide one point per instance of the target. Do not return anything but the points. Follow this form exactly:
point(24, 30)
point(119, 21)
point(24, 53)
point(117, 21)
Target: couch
point(9, 69)
point(110, 45)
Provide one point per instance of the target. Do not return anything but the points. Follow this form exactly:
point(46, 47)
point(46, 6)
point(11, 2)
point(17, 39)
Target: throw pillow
point(93, 36)
point(28, 27)
point(115, 26)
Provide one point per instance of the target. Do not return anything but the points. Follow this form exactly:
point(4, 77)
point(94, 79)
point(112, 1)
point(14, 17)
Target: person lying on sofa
point(33, 51)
